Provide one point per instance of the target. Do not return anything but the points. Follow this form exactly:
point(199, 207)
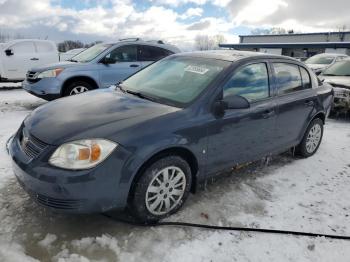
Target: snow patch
point(47, 241)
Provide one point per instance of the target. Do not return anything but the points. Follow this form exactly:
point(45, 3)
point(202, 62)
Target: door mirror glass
point(235, 102)
point(8, 52)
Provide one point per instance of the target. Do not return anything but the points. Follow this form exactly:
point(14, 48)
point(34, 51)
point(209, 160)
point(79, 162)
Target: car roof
point(330, 54)
point(233, 55)
point(12, 42)
point(157, 43)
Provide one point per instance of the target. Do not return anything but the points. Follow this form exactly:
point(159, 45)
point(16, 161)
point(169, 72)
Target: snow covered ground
point(309, 195)
point(10, 85)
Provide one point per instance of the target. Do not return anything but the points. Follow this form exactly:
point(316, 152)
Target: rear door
point(296, 102)
point(244, 134)
point(124, 63)
point(149, 54)
point(23, 58)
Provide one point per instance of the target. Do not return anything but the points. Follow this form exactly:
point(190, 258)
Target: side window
point(123, 54)
point(42, 47)
point(152, 53)
point(305, 78)
point(23, 48)
point(288, 78)
point(251, 82)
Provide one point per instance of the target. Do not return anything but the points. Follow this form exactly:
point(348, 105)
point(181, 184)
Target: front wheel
point(161, 190)
point(77, 87)
point(312, 139)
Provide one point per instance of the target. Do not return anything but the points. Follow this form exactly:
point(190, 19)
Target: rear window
point(43, 47)
point(322, 60)
point(152, 53)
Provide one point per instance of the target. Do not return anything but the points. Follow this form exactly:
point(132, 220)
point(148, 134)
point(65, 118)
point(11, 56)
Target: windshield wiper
point(120, 87)
point(329, 75)
point(72, 60)
point(140, 95)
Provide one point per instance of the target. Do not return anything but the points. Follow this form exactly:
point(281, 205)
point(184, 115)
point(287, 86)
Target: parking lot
point(309, 195)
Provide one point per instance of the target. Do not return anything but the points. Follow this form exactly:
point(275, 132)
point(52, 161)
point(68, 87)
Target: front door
point(122, 62)
point(243, 135)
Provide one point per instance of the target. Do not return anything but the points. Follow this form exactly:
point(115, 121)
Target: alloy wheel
point(165, 191)
point(77, 90)
point(313, 138)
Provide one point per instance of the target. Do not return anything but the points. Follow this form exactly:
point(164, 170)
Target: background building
point(295, 45)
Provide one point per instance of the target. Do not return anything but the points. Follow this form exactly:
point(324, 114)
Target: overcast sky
point(176, 21)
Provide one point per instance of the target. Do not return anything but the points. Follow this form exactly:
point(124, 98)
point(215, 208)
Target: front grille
point(31, 77)
point(31, 145)
point(59, 203)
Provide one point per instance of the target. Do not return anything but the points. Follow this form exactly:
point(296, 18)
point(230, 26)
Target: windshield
point(176, 80)
point(322, 60)
point(90, 53)
point(338, 69)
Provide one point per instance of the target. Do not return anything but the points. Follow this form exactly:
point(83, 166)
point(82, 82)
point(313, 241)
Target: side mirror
point(230, 102)
point(107, 60)
point(235, 102)
point(8, 52)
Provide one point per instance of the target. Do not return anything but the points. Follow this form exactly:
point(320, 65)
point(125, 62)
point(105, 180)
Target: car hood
point(337, 81)
point(95, 114)
point(63, 64)
point(317, 66)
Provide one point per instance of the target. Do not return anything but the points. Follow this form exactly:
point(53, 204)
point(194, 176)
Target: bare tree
point(205, 42)
point(6, 36)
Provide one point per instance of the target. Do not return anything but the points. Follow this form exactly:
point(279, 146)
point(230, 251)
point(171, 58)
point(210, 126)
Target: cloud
point(192, 12)
point(177, 21)
point(178, 2)
point(122, 18)
point(201, 25)
point(305, 16)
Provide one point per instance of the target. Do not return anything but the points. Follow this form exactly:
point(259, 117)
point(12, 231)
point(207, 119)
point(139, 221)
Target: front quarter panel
point(182, 131)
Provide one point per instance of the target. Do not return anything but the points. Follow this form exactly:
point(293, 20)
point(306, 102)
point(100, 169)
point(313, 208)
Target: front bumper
point(46, 88)
point(85, 191)
point(341, 98)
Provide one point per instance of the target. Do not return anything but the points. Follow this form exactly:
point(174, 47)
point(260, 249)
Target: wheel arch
point(320, 115)
point(182, 152)
point(71, 80)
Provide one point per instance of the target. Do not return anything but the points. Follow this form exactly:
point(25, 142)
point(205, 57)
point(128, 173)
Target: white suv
point(18, 56)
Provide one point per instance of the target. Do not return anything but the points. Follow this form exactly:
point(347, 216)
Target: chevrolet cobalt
point(145, 144)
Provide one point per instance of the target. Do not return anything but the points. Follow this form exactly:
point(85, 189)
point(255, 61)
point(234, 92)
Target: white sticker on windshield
point(196, 69)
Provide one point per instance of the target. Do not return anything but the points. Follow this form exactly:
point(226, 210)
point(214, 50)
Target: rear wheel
point(312, 139)
point(77, 87)
point(161, 190)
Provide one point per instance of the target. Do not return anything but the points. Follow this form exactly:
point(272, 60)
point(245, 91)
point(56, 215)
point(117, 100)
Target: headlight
point(82, 154)
point(50, 73)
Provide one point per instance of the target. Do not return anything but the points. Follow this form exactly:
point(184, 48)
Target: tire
point(77, 85)
point(152, 197)
point(312, 139)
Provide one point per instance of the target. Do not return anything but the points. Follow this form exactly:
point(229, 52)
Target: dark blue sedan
point(148, 142)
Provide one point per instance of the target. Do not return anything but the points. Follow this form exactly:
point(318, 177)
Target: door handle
point(268, 113)
point(309, 103)
point(134, 65)
point(34, 59)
